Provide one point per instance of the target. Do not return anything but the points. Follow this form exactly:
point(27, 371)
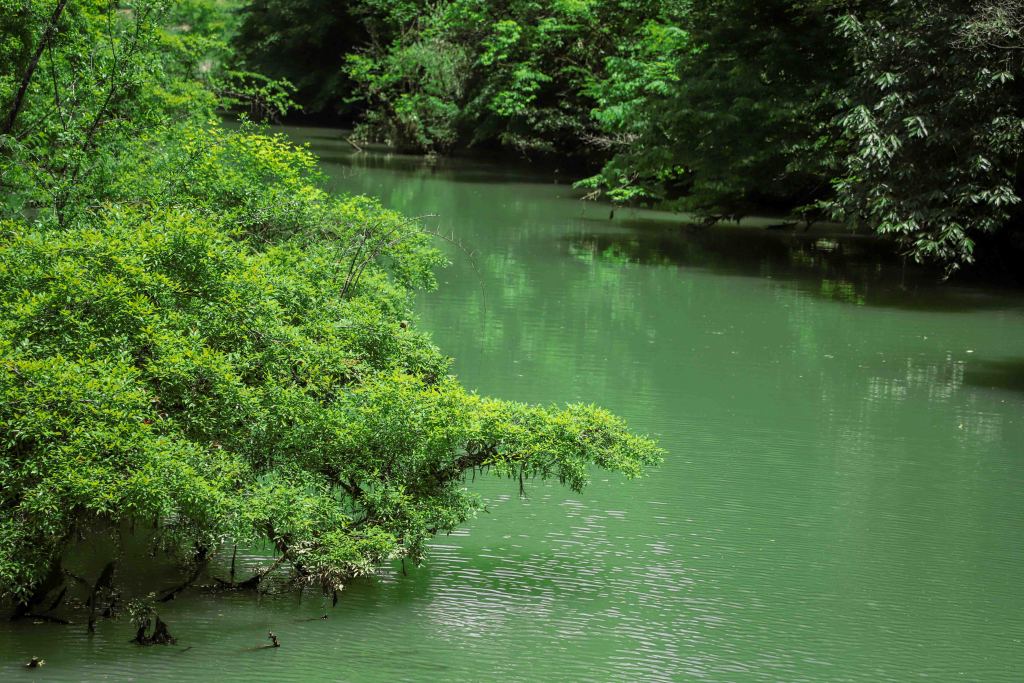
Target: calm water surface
point(842, 499)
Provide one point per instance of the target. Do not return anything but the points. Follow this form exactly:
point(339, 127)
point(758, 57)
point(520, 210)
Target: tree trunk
point(54, 578)
point(26, 79)
point(105, 581)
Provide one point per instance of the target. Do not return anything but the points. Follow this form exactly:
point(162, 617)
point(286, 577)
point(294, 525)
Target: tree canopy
point(196, 337)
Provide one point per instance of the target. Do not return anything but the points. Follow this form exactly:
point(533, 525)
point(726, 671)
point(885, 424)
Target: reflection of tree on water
point(1006, 374)
point(849, 268)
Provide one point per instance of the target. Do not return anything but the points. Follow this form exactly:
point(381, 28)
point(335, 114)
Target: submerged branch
point(254, 581)
point(201, 562)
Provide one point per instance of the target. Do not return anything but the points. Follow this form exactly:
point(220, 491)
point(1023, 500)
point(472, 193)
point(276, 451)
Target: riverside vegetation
point(201, 347)
point(905, 119)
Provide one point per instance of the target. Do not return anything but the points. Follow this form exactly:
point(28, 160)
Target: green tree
point(302, 42)
point(196, 339)
point(434, 76)
point(740, 125)
point(934, 124)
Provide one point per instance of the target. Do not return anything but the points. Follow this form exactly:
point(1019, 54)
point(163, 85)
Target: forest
point(240, 238)
point(904, 119)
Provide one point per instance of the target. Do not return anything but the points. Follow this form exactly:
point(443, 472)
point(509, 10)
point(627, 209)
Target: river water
point(843, 497)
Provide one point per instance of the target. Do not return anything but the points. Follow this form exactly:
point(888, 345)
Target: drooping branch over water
point(200, 343)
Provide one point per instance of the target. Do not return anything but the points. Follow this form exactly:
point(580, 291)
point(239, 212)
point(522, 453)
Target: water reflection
point(1007, 374)
point(848, 268)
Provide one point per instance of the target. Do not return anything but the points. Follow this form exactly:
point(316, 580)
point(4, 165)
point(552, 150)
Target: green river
point(843, 497)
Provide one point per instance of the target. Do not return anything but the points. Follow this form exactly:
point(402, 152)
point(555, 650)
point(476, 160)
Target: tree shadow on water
point(848, 268)
point(1006, 374)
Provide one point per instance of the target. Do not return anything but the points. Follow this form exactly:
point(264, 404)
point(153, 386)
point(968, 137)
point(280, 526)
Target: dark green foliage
point(906, 119)
point(934, 124)
point(433, 76)
point(736, 131)
point(415, 88)
point(303, 42)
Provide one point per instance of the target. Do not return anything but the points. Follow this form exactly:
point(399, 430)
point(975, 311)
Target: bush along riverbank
point(201, 347)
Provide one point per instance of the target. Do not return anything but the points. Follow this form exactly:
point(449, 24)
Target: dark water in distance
point(842, 499)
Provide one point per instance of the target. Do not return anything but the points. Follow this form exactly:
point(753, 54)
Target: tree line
point(905, 119)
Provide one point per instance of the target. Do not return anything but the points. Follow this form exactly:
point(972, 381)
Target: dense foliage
point(431, 76)
point(902, 118)
point(303, 42)
point(523, 73)
point(197, 338)
point(934, 123)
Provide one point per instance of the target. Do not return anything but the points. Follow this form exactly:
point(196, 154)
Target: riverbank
point(819, 240)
